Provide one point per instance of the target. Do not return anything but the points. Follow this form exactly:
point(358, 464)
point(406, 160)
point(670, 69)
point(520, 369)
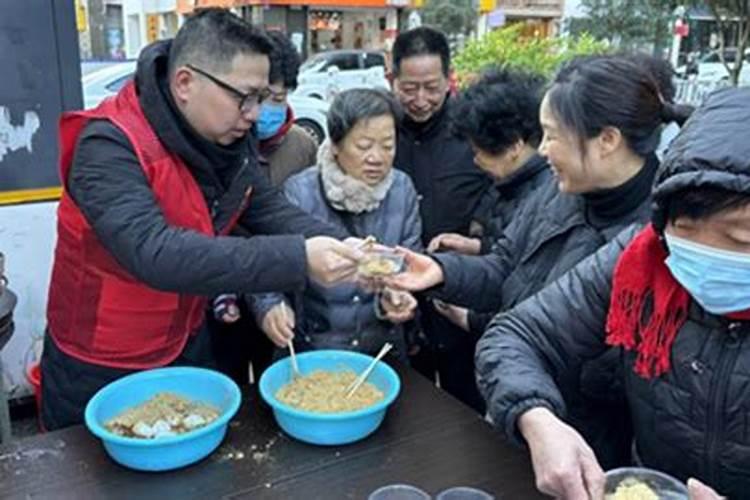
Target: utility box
point(41, 77)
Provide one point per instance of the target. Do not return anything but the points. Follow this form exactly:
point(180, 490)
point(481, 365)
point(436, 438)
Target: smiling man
point(450, 187)
point(155, 179)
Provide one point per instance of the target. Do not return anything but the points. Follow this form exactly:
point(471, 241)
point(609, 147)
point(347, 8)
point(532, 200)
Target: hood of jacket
point(711, 150)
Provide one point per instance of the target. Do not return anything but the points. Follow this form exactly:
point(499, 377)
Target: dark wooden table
point(428, 439)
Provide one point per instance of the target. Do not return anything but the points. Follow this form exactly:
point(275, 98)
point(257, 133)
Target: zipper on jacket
point(717, 395)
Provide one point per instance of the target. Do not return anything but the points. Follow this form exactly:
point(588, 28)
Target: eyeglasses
point(247, 100)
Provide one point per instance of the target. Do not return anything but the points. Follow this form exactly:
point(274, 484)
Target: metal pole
point(5, 433)
point(4, 412)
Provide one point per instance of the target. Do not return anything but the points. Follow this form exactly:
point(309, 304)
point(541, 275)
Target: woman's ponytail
point(678, 113)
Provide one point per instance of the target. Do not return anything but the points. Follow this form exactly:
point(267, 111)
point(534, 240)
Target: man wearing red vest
point(155, 179)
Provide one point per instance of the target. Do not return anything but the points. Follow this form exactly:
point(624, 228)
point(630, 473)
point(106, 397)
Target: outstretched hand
point(421, 272)
point(455, 242)
point(330, 261)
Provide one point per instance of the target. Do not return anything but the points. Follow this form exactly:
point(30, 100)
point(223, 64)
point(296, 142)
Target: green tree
point(727, 13)
point(451, 16)
point(507, 48)
point(627, 24)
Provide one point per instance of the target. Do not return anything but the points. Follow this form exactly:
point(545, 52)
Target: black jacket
point(506, 199)
point(109, 186)
point(545, 239)
point(690, 421)
point(442, 168)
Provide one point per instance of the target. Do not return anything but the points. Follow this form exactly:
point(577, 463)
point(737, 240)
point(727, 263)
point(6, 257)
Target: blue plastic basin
point(165, 453)
point(329, 428)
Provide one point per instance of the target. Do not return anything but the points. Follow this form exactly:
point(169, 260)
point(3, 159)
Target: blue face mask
point(270, 119)
point(719, 280)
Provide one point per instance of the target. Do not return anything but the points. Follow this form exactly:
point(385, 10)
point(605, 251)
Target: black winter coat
point(549, 236)
point(502, 204)
point(692, 420)
point(506, 197)
point(545, 239)
point(441, 166)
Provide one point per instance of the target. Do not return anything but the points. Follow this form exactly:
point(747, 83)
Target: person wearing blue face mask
point(271, 118)
point(674, 299)
point(718, 280)
point(285, 148)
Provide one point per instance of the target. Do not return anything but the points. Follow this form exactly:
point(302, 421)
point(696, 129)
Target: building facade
point(119, 29)
point(319, 25)
point(541, 18)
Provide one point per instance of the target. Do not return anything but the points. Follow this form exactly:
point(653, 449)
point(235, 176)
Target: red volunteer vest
point(97, 311)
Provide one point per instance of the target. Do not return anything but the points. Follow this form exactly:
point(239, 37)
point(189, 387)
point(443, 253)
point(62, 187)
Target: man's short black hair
point(422, 41)
point(499, 109)
point(697, 203)
point(285, 61)
point(212, 38)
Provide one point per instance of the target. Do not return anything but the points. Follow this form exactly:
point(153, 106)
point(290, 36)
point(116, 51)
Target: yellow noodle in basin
point(325, 392)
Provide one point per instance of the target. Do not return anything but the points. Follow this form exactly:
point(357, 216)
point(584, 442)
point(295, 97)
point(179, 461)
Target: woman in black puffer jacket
point(674, 297)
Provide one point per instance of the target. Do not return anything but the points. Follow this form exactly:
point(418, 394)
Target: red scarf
point(641, 276)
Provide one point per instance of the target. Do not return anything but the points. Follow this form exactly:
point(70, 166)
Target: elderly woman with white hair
point(354, 186)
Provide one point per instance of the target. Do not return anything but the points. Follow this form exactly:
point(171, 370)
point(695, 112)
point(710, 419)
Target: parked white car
point(711, 68)
point(327, 73)
point(309, 113)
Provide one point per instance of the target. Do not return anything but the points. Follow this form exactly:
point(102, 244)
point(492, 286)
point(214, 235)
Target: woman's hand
point(422, 272)
point(278, 324)
point(455, 242)
point(459, 316)
point(399, 307)
point(564, 465)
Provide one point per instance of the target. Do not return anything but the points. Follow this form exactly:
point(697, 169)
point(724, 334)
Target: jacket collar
point(435, 125)
point(532, 167)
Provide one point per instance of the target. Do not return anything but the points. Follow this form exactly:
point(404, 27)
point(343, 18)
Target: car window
point(713, 57)
point(313, 61)
point(344, 61)
point(116, 85)
point(373, 59)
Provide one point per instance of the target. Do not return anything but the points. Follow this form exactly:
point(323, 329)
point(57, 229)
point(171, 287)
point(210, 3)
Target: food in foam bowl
point(638, 483)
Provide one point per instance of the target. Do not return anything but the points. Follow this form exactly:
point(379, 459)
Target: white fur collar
point(345, 192)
